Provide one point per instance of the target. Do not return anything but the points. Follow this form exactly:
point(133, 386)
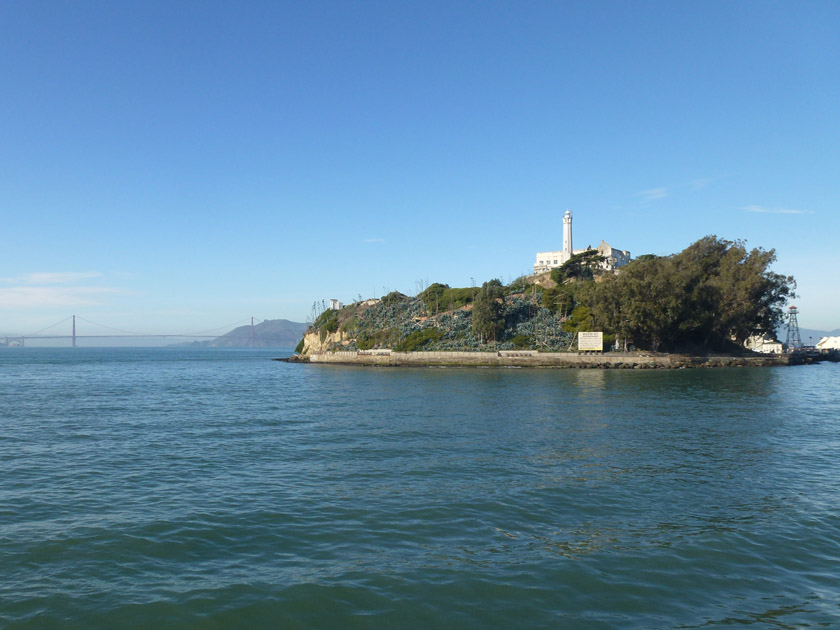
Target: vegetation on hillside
point(709, 297)
point(712, 294)
point(446, 318)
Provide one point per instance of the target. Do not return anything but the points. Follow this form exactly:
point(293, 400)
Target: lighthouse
point(567, 234)
point(612, 257)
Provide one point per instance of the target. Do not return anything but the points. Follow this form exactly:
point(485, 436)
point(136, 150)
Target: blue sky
point(173, 167)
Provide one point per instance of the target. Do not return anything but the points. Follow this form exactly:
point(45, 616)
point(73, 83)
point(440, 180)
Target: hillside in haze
point(271, 333)
point(809, 336)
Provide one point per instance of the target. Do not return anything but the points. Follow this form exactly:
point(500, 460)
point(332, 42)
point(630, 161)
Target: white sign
point(591, 341)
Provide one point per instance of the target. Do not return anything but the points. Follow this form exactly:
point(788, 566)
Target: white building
point(763, 344)
point(335, 305)
point(829, 343)
point(546, 261)
point(613, 258)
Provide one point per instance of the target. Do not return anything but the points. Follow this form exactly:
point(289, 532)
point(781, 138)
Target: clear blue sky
point(177, 166)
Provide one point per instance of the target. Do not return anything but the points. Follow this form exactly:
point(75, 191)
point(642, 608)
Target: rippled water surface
point(170, 488)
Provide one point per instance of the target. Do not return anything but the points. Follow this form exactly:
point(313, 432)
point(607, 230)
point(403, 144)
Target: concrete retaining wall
point(541, 359)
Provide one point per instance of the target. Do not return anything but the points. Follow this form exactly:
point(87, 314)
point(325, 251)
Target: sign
point(591, 341)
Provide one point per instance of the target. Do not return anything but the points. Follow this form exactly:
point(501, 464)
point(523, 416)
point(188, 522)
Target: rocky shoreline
point(512, 358)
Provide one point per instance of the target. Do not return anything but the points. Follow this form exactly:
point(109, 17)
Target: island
point(697, 307)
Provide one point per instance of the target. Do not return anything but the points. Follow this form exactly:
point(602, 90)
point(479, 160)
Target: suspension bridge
point(73, 336)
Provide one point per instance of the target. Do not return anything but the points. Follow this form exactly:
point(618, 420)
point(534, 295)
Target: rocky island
point(693, 308)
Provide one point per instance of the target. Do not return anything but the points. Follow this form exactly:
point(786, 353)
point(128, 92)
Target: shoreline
point(514, 358)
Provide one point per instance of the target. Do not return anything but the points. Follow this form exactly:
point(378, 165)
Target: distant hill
point(271, 333)
point(809, 335)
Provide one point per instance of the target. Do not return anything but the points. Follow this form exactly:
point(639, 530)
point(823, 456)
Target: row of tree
point(712, 295)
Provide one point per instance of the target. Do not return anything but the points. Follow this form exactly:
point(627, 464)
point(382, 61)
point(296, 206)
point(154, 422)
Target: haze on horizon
point(175, 168)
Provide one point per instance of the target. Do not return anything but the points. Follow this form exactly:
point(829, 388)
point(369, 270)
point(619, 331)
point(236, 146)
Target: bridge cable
point(125, 332)
point(48, 327)
point(138, 334)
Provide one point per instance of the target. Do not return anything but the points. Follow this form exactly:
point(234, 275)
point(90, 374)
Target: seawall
point(514, 358)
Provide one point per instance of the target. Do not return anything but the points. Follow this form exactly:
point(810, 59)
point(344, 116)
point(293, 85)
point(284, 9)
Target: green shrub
point(460, 297)
point(418, 339)
point(327, 322)
point(394, 297)
point(380, 338)
point(433, 297)
point(324, 317)
point(521, 285)
point(349, 325)
point(299, 347)
point(522, 342)
point(440, 297)
point(581, 320)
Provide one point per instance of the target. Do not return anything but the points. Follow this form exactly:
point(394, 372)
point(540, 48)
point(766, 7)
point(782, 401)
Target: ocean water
point(173, 488)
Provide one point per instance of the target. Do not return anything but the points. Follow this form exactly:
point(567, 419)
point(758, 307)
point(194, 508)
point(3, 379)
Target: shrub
point(522, 284)
point(394, 297)
point(522, 342)
point(441, 297)
point(381, 338)
point(418, 339)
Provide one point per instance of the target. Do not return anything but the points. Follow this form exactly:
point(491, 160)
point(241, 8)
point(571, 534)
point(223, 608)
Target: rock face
point(315, 342)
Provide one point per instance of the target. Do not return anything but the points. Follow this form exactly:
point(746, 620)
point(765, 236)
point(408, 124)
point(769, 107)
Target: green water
point(162, 488)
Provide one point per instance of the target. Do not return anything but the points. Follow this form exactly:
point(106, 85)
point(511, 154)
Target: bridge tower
point(793, 341)
point(74, 331)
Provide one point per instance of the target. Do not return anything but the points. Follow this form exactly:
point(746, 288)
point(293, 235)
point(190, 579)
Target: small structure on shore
point(763, 344)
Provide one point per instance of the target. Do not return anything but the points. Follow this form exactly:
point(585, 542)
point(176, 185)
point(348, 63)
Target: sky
point(170, 167)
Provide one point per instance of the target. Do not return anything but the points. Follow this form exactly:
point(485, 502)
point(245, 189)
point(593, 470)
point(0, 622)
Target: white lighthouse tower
point(546, 261)
point(567, 234)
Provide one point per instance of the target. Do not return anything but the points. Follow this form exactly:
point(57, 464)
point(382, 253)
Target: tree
point(581, 319)
point(432, 297)
point(712, 293)
point(582, 266)
point(560, 299)
point(488, 313)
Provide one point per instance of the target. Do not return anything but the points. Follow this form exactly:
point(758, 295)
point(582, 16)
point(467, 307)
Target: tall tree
point(488, 313)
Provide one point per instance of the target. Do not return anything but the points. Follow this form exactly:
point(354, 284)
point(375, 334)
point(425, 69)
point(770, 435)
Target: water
point(171, 488)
